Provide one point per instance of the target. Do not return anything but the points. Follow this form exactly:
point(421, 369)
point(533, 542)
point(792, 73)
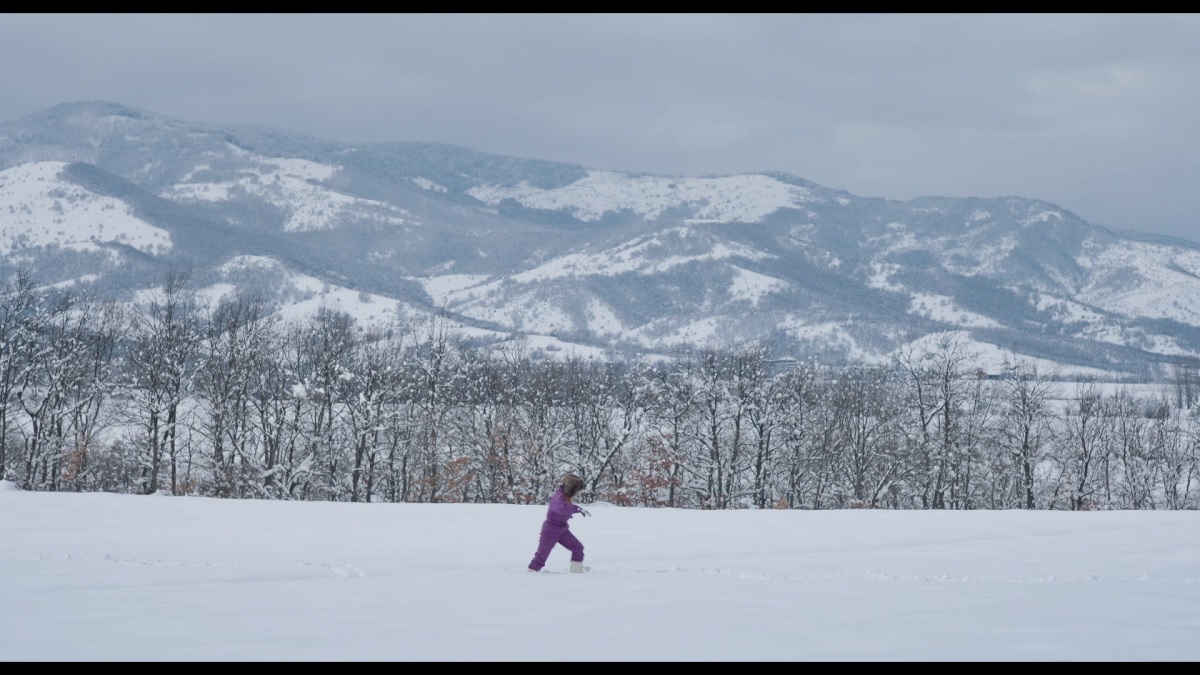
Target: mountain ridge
point(615, 263)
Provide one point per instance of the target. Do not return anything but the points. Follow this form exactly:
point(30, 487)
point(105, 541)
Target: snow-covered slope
point(38, 208)
point(726, 199)
point(294, 186)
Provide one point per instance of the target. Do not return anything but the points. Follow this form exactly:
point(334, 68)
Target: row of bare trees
point(232, 401)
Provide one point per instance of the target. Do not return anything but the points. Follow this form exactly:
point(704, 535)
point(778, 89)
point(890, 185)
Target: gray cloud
point(1095, 113)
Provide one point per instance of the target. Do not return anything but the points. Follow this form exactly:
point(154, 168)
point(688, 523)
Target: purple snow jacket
point(560, 510)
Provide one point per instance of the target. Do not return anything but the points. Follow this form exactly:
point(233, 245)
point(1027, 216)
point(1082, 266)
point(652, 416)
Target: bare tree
point(1027, 425)
point(762, 398)
point(277, 408)
point(484, 425)
point(371, 401)
point(434, 364)
point(1187, 384)
point(1086, 443)
point(103, 323)
point(805, 433)
point(673, 419)
point(936, 375)
point(165, 341)
point(19, 328)
point(68, 351)
point(327, 344)
point(977, 434)
point(867, 448)
point(1175, 458)
point(604, 406)
point(233, 351)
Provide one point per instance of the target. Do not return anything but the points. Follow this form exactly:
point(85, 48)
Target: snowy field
point(106, 577)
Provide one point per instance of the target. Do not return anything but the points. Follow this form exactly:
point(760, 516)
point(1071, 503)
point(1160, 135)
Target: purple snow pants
point(555, 534)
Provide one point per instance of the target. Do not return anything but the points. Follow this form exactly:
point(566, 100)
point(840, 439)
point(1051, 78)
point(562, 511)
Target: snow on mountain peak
point(293, 185)
point(745, 198)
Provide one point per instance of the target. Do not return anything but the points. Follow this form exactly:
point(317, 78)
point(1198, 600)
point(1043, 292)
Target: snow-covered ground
point(106, 577)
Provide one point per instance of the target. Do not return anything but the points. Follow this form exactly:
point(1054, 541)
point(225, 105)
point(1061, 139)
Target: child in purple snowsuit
point(554, 528)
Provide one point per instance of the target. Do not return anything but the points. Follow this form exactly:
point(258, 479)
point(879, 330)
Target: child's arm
point(564, 507)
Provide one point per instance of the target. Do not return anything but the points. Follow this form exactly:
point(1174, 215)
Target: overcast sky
point(1099, 114)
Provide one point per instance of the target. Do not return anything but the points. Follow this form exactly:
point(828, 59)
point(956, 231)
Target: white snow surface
point(943, 308)
point(752, 286)
point(89, 577)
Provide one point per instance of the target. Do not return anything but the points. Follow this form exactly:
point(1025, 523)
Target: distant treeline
point(231, 401)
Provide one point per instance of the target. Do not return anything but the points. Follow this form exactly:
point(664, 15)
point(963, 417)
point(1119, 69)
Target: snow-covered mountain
point(578, 259)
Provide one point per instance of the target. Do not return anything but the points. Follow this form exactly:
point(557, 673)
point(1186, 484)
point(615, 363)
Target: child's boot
point(577, 566)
